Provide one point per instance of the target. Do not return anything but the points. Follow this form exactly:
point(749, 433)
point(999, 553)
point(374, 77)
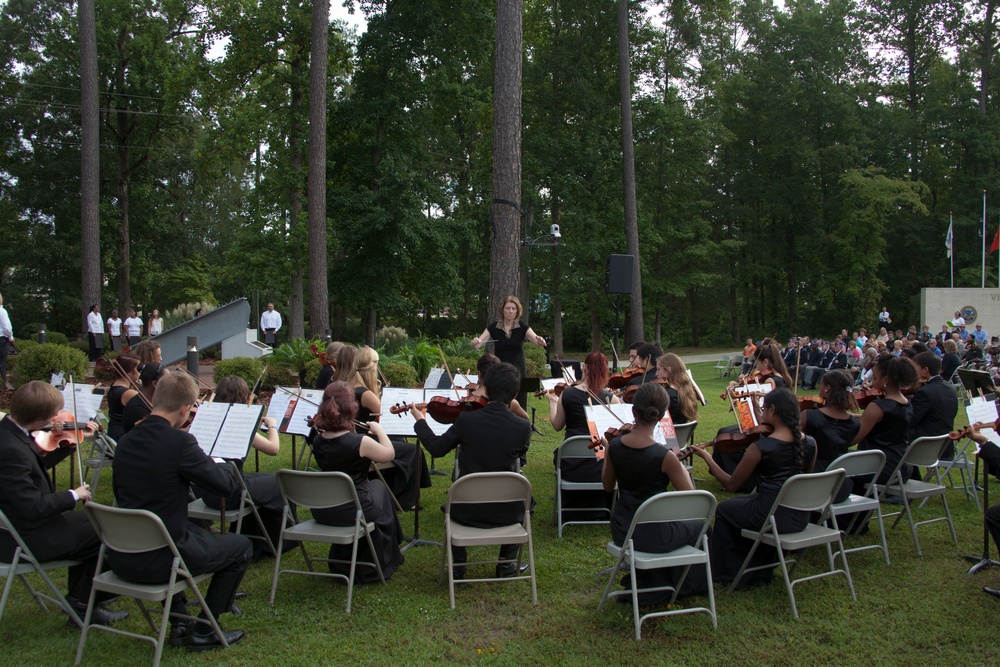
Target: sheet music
point(402, 424)
point(979, 410)
point(548, 384)
point(279, 403)
point(206, 424)
point(600, 420)
point(434, 379)
point(306, 407)
point(238, 431)
point(88, 404)
point(57, 380)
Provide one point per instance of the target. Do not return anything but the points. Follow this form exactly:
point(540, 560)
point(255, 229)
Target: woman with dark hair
point(886, 422)
point(773, 459)
point(338, 448)
point(121, 392)
point(641, 468)
point(140, 405)
point(567, 411)
point(832, 425)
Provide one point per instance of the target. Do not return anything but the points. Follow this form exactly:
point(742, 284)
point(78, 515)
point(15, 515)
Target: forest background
point(797, 166)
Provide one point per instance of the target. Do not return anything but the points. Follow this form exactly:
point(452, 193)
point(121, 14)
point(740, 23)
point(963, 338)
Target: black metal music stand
point(415, 541)
point(984, 561)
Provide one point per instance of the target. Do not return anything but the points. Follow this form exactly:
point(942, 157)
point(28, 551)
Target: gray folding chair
point(665, 507)
point(724, 366)
point(320, 490)
point(924, 452)
point(101, 456)
point(577, 447)
point(685, 436)
point(805, 493)
point(135, 532)
point(966, 468)
point(24, 562)
point(864, 464)
point(198, 509)
point(481, 488)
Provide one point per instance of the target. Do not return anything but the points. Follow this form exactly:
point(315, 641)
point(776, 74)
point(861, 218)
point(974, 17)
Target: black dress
point(949, 362)
point(408, 465)
point(343, 454)
point(833, 439)
point(325, 377)
point(890, 435)
point(728, 547)
point(676, 416)
point(640, 477)
point(135, 410)
point(116, 428)
point(574, 401)
point(510, 349)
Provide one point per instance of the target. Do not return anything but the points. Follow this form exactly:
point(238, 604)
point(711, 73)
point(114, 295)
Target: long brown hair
point(679, 380)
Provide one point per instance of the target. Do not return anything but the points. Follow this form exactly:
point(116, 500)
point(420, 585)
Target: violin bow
point(79, 459)
point(614, 353)
point(205, 385)
point(257, 384)
point(447, 370)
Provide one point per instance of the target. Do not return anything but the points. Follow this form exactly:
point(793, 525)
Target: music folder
point(226, 430)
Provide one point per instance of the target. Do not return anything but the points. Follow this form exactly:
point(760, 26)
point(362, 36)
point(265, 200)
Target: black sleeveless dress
point(574, 401)
point(890, 435)
point(116, 428)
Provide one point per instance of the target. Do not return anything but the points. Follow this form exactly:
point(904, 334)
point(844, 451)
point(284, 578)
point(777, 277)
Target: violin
point(865, 396)
point(964, 432)
point(755, 376)
point(63, 432)
point(809, 402)
point(557, 390)
point(619, 380)
point(731, 443)
point(442, 409)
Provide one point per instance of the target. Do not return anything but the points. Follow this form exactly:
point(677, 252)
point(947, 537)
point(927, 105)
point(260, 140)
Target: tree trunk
point(296, 324)
point(319, 306)
point(505, 249)
point(90, 228)
point(371, 327)
point(124, 270)
point(557, 324)
point(635, 325)
point(987, 61)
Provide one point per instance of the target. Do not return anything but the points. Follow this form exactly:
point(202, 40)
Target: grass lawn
point(915, 611)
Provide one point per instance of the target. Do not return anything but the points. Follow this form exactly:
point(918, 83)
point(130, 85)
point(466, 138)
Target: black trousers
point(3, 360)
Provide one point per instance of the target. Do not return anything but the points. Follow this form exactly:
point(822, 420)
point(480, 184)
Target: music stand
point(977, 383)
point(984, 561)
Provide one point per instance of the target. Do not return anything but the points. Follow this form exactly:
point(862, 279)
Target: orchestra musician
point(141, 404)
point(772, 460)
point(935, 404)
point(508, 335)
point(641, 468)
point(148, 352)
point(345, 368)
point(831, 424)
point(339, 448)
point(990, 453)
point(120, 393)
point(326, 373)
point(483, 364)
point(154, 467)
point(40, 514)
point(646, 357)
point(493, 440)
point(683, 407)
point(886, 423)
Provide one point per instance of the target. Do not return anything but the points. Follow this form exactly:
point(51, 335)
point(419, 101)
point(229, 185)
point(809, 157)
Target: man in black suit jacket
point(935, 403)
point(42, 516)
point(492, 440)
point(155, 465)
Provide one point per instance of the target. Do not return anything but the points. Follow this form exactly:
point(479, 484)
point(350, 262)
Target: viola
point(442, 409)
point(731, 443)
point(619, 380)
point(63, 432)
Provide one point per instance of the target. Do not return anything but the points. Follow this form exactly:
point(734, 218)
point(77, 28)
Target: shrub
point(311, 373)
point(534, 361)
point(247, 368)
point(279, 376)
point(30, 330)
point(56, 338)
point(81, 345)
point(400, 374)
point(392, 339)
point(39, 362)
point(459, 365)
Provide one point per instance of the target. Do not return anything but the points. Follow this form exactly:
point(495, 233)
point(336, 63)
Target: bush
point(56, 338)
point(247, 368)
point(459, 365)
point(392, 339)
point(534, 361)
point(30, 331)
point(81, 345)
point(279, 376)
point(400, 374)
point(39, 362)
point(312, 373)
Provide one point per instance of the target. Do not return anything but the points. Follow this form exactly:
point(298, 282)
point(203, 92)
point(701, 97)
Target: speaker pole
point(618, 310)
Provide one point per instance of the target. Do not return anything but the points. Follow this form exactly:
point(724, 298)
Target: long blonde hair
point(679, 380)
point(366, 363)
point(345, 364)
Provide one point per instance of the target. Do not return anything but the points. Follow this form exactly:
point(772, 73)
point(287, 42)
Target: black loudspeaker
point(618, 274)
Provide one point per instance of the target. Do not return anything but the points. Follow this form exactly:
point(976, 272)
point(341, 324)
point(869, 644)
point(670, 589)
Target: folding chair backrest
point(576, 447)
point(810, 492)
point(857, 464)
point(317, 489)
point(926, 451)
point(676, 506)
point(490, 487)
point(129, 531)
point(685, 431)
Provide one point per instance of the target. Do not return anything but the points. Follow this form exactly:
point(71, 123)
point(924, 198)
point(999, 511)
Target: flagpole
point(951, 247)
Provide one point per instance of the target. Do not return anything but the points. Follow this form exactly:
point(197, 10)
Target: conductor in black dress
point(42, 516)
point(154, 466)
point(508, 335)
point(492, 440)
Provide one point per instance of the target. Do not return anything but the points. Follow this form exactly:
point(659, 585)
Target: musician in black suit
point(647, 353)
point(989, 452)
point(935, 403)
point(41, 515)
point(155, 465)
point(492, 440)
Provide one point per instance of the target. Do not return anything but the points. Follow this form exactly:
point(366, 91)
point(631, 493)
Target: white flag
point(948, 239)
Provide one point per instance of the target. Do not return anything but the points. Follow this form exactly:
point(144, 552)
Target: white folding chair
point(24, 562)
point(867, 465)
point(488, 488)
point(135, 532)
point(685, 436)
point(966, 468)
point(321, 490)
point(723, 366)
point(576, 447)
point(199, 509)
point(665, 507)
point(923, 452)
point(804, 493)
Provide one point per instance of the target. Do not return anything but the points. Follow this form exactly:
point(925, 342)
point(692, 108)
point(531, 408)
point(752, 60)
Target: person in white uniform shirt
point(6, 337)
point(95, 331)
point(133, 328)
point(155, 324)
point(270, 322)
point(115, 330)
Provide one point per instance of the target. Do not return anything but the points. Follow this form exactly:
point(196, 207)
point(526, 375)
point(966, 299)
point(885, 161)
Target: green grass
point(916, 610)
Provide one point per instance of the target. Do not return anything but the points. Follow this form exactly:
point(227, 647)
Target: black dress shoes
point(197, 641)
point(995, 592)
point(100, 616)
point(179, 633)
point(507, 570)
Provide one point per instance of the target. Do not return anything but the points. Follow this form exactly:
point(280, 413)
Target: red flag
point(996, 242)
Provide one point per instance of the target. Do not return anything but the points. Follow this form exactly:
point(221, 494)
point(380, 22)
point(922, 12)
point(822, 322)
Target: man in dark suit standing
point(935, 403)
point(41, 515)
point(155, 464)
point(492, 440)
